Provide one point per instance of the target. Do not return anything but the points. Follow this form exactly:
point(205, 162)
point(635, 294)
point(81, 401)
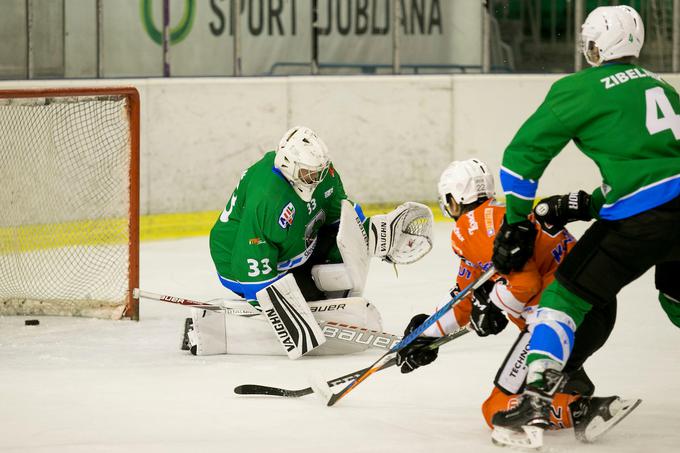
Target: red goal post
point(69, 192)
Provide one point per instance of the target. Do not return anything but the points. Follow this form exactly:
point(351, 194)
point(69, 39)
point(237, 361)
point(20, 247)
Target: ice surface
point(87, 385)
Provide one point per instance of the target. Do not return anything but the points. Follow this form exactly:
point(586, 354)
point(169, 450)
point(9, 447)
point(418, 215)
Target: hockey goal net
point(69, 198)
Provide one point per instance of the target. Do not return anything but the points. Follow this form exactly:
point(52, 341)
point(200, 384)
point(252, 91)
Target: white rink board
point(389, 137)
point(85, 385)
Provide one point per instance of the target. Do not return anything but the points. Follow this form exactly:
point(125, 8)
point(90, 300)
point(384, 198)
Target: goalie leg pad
point(289, 315)
point(253, 335)
point(208, 335)
point(353, 311)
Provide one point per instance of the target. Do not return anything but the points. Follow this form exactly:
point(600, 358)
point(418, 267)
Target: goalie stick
point(210, 305)
point(255, 389)
point(331, 329)
point(389, 355)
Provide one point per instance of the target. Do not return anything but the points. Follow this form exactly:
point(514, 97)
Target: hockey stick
point(331, 329)
point(255, 389)
point(210, 305)
point(389, 355)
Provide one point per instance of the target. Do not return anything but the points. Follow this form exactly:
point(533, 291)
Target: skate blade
point(530, 437)
point(599, 426)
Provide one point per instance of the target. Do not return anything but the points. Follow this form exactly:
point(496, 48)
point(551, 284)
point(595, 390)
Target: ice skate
point(523, 425)
point(594, 416)
point(578, 383)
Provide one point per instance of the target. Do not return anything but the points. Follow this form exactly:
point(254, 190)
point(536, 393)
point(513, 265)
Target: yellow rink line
point(113, 231)
point(173, 226)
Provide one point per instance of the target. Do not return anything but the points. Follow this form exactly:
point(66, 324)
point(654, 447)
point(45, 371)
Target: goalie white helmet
point(611, 32)
point(302, 157)
point(464, 181)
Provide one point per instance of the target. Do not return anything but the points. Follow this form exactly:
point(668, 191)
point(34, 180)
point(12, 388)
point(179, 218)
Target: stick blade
point(254, 389)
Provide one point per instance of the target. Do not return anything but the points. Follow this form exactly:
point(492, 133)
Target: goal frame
point(133, 111)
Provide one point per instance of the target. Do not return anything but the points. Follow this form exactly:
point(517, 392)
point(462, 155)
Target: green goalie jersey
point(623, 117)
point(267, 229)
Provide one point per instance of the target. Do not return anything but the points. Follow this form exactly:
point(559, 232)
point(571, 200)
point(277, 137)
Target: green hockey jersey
point(266, 229)
point(624, 118)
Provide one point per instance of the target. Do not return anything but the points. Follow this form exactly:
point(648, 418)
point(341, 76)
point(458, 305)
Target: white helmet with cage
point(465, 181)
point(612, 32)
point(302, 157)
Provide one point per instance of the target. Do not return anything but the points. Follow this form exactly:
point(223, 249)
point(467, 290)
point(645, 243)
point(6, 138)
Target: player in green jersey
point(282, 218)
point(271, 222)
point(627, 120)
point(277, 244)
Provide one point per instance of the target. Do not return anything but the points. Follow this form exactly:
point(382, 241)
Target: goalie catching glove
point(402, 236)
point(415, 354)
point(553, 213)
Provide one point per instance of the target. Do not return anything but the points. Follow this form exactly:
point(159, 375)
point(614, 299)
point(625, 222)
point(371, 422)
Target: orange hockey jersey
point(472, 240)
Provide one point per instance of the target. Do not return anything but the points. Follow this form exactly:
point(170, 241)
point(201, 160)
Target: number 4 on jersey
point(658, 102)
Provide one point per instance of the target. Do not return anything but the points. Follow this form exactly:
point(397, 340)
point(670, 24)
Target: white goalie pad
point(359, 314)
point(221, 332)
point(291, 318)
point(402, 236)
point(332, 277)
point(208, 333)
point(352, 242)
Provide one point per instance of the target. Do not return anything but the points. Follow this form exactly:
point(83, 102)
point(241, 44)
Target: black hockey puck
point(31, 322)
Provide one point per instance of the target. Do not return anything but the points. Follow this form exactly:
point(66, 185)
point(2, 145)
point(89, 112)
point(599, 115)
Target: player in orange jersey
point(466, 191)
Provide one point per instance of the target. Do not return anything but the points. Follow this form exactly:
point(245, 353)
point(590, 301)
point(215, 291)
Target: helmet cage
point(303, 160)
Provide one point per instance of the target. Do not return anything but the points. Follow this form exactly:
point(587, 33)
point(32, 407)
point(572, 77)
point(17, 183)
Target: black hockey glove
point(415, 354)
point(485, 317)
point(553, 213)
point(513, 246)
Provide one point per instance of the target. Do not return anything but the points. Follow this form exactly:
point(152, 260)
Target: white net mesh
point(65, 197)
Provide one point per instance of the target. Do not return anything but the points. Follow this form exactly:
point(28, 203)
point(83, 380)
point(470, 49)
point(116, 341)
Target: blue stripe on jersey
point(643, 199)
point(514, 184)
point(247, 290)
point(276, 171)
point(359, 211)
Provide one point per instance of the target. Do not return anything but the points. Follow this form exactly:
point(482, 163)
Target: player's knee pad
point(208, 334)
point(545, 315)
point(552, 335)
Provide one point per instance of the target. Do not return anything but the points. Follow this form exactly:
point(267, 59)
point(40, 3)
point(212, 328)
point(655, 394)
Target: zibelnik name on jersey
point(626, 76)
